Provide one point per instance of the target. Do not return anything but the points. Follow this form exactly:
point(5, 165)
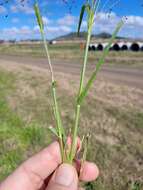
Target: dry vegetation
point(113, 114)
point(72, 52)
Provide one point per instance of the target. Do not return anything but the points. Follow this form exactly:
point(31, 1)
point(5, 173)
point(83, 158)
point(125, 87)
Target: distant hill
point(82, 35)
point(103, 35)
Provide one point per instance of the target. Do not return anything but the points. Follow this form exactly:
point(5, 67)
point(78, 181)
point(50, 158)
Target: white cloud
point(135, 20)
point(26, 32)
point(103, 23)
point(10, 31)
point(23, 32)
point(3, 10)
point(104, 18)
point(133, 26)
point(65, 29)
point(67, 20)
point(46, 21)
point(19, 7)
point(36, 28)
point(58, 30)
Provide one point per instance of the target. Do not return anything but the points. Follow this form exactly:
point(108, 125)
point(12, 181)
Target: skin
point(44, 171)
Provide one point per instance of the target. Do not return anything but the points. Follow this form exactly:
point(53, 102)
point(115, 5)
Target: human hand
point(44, 171)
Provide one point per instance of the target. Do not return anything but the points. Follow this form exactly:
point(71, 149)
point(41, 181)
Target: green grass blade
point(100, 63)
point(39, 17)
point(81, 17)
point(54, 131)
point(88, 9)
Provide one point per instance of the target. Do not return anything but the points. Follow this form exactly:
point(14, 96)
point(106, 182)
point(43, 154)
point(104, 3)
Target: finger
point(65, 178)
point(89, 172)
point(31, 174)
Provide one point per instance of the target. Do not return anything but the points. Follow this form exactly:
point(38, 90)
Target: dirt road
point(122, 75)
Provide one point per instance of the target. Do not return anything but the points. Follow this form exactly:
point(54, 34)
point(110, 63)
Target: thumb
point(65, 178)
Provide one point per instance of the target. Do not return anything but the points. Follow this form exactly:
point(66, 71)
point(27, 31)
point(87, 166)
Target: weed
point(90, 8)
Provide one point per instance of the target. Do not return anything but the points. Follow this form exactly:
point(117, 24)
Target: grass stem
point(60, 128)
point(75, 132)
point(78, 106)
point(85, 62)
point(56, 107)
point(48, 55)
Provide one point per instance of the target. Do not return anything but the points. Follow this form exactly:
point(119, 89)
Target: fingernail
point(65, 175)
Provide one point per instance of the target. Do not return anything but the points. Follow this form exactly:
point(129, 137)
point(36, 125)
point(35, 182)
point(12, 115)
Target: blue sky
point(17, 20)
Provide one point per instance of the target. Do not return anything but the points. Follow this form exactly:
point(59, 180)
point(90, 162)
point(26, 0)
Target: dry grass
point(73, 52)
point(113, 114)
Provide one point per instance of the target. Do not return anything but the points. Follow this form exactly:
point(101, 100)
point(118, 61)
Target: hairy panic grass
point(90, 9)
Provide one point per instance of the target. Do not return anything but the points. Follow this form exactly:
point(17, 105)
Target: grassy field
point(73, 52)
point(112, 114)
point(17, 136)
